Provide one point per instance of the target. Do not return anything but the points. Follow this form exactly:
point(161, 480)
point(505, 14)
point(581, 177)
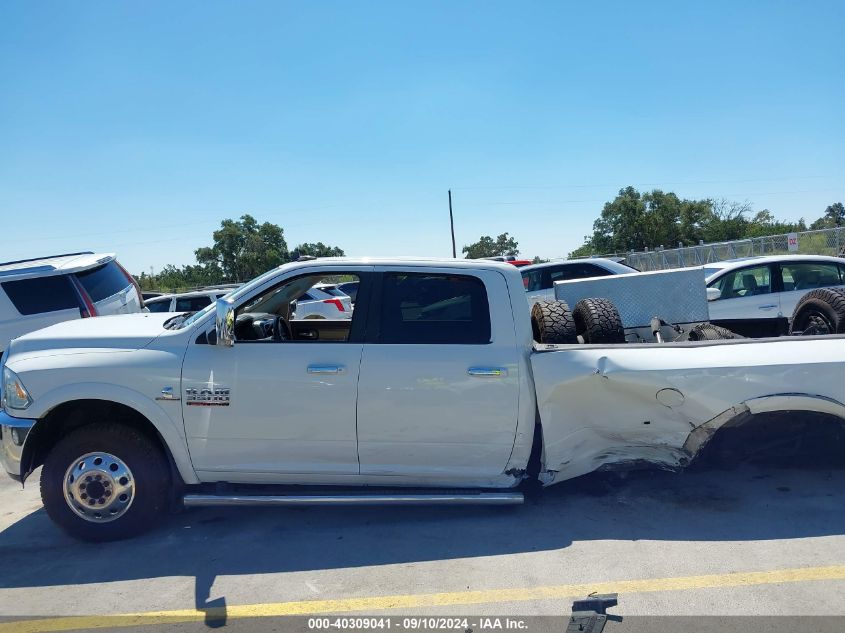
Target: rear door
point(438, 391)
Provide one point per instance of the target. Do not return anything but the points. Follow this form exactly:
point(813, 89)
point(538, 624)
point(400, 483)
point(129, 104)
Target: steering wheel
point(281, 330)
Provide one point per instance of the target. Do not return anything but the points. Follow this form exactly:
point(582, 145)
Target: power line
point(641, 184)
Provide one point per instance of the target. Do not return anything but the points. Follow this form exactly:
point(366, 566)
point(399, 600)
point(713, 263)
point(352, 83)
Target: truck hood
point(122, 331)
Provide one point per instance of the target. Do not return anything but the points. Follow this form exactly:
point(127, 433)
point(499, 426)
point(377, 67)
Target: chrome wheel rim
point(99, 487)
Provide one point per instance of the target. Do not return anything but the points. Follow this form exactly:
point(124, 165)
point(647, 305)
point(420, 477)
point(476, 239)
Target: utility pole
point(452, 224)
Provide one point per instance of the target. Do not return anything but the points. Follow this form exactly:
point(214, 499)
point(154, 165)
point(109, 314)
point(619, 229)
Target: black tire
point(552, 323)
point(710, 332)
point(820, 311)
point(597, 321)
point(148, 468)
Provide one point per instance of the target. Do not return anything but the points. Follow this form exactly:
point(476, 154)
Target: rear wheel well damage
point(786, 430)
point(78, 413)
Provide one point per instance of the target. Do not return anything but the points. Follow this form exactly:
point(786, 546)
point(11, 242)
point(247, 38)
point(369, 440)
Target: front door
point(746, 296)
point(274, 403)
point(439, 386)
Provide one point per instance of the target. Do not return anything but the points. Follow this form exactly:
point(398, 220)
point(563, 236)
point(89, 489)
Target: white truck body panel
point(608, 405)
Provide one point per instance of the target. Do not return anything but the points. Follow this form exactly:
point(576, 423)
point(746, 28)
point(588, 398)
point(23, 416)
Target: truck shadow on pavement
point(748, 503)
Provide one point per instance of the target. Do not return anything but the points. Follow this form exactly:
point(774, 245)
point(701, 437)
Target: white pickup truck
point(434, 392)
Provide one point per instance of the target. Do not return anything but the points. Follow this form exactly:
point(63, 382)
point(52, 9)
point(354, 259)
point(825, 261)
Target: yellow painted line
point(425, 600)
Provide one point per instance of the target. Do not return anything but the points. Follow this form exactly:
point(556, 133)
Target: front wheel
point(104, 482)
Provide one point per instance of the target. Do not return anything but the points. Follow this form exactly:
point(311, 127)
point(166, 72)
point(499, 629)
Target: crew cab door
point(438, 392)
point(265, 408)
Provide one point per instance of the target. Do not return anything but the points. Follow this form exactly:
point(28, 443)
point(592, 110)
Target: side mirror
point(713, 294)
point(224, 322)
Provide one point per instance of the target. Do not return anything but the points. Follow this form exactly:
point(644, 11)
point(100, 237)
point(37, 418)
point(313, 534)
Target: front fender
point(168, 422)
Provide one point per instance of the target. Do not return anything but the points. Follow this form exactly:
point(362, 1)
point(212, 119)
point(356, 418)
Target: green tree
point(833, 216)
point(635, 221)
point(243, 249)
point(315, 250)
point(486, 246)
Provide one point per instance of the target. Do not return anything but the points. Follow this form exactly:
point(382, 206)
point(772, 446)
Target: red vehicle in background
point(511, 259)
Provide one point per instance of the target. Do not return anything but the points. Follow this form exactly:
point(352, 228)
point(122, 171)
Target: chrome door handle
point(325, 369)
point(768, 307)
point(487, 371)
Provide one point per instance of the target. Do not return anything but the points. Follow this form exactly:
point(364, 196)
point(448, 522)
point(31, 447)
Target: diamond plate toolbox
point(676, 296)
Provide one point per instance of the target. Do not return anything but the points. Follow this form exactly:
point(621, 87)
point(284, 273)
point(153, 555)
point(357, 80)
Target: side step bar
point(481, 498)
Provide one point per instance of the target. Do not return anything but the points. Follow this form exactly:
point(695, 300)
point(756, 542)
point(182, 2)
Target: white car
point(756, 296)
point(35, 293)
point(322, 302)
point(539, 279)
point(186, 301)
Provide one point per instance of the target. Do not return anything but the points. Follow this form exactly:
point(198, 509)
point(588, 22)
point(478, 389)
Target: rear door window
point(42, 294)
point(158, 306)
point(809, 275)
point(103, 281)
point(191, 304)
point(575, 271)
point(430, 308)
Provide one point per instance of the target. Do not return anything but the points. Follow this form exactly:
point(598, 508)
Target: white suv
point(756, 296)
point(193, 301)
point(35, 293)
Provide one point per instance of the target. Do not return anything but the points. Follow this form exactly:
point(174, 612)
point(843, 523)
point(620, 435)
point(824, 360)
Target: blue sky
point(136, 127)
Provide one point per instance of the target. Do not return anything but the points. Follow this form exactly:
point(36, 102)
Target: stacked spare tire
point(820, 311)
point(594, 321)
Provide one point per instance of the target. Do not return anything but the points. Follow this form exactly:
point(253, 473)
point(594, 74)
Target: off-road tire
point(710, 332)
point(597, 321)
point(552, 323)
point(821, 304)
point(149, 467)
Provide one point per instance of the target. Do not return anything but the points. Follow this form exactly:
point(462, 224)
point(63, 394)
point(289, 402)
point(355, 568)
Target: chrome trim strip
point(13, 434)
point(481, 498)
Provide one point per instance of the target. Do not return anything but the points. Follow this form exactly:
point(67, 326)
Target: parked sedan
point(539, 279)
point(756, 296)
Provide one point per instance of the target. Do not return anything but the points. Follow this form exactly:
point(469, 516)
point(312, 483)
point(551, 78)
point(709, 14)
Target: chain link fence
point(821, 242)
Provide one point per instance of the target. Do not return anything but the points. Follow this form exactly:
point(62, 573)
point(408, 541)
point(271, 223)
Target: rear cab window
point(420, 308)
point(103, 281)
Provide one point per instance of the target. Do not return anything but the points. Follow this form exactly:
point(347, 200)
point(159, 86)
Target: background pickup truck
point(434, 392)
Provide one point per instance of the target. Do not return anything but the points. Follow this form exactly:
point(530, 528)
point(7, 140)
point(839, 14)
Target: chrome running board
point(480, 498)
